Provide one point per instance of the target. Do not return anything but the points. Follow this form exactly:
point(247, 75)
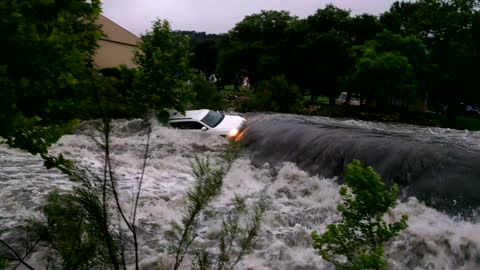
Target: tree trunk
point(331, 99)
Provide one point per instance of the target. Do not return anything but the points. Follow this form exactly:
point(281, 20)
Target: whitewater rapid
point(299, 201)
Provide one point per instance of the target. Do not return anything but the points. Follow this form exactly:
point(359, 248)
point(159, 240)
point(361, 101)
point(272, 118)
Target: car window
point(187, 125)
point(213, 118)
point(177, 125)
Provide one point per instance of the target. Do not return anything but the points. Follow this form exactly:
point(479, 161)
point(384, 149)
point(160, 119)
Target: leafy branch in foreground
point(208, 184)
point(74, 231)
point(239, 230)
point(357, 241)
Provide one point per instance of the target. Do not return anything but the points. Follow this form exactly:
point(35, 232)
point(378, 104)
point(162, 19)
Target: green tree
point(163, 71)
point(326, 51)
point(357, 241)
point(449, 30)
point(205, 56)
point(45, 68)
point(364, 28)
point(297, 57)
point(393, 81)
point(257, 44)
point(390, 69)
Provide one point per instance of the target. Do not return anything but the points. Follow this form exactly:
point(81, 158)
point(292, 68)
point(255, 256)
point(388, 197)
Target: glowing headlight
point(233, 132)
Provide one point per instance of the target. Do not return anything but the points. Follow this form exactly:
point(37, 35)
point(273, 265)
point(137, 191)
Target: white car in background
point(208, 121)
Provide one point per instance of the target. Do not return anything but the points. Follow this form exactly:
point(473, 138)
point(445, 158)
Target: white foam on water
point(434, 240)
point(24, 181)
point(299, 202)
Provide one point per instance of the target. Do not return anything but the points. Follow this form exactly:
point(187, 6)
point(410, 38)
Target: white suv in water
point(208, 121)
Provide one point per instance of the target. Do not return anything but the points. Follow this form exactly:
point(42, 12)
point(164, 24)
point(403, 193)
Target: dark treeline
point(416, 54)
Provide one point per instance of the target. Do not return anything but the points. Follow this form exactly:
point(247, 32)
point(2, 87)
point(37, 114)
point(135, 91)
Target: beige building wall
point(117, 47)
point(111, 54)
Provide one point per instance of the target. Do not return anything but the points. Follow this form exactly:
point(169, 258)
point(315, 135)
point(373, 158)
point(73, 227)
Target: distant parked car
point(208, 121)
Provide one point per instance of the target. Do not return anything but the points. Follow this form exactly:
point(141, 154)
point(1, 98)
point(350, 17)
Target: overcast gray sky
point(218, 16)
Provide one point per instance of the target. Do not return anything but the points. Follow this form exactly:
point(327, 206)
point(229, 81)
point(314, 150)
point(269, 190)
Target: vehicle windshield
point(213, 118)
